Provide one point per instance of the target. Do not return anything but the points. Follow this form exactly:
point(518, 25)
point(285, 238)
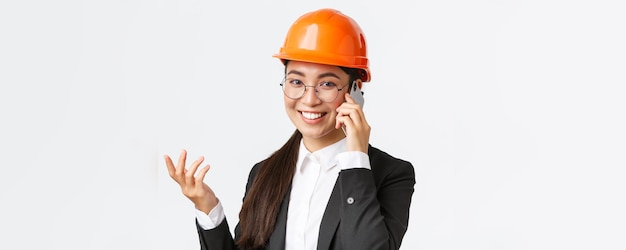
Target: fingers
point(180, 167)
point(189, 176)
point(349, 98)
point(202, 173)
point(170, 165)
point(349, 114)
point(180, 174)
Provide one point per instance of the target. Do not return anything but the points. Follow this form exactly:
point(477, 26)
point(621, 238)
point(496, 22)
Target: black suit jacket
point(367, 209)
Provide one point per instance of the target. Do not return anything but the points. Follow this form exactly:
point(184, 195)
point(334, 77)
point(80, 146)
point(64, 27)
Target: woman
point(326, 187)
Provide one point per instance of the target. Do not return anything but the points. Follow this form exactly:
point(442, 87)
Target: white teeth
point(311, 116)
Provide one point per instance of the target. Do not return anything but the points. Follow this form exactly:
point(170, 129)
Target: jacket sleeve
point(220, 238)
point(375, 203)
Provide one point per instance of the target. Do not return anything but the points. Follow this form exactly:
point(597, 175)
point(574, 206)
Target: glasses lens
point(326, 94)
point(293, 89)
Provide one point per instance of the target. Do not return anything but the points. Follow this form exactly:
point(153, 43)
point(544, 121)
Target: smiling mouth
point(312, 116)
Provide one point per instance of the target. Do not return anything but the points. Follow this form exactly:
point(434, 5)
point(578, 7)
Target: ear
point(360, 83)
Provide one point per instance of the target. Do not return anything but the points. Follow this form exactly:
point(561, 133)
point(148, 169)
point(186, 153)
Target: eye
point(328, 85)
point(295, 82)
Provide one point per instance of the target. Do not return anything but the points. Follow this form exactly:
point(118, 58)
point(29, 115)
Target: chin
point(316, 133)
point(313, 134)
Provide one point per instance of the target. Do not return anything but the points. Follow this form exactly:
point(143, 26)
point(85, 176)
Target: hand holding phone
point(357, 95)
point(352, 120)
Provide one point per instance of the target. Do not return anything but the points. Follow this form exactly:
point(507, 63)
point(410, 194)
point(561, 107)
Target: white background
point(512, 112)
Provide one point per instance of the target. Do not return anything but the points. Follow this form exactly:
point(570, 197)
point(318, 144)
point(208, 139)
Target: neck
point(314, 144)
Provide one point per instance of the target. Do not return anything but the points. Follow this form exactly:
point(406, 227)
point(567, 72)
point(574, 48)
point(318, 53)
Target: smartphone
point(357, 94)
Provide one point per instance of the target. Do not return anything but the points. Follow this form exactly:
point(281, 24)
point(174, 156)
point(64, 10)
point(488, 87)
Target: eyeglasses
point(326, 91)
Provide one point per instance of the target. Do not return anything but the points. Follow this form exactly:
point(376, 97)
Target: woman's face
point(314, 118)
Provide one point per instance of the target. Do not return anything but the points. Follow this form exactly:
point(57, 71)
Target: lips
point(312, 115)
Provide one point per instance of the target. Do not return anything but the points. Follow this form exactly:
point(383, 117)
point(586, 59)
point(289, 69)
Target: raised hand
point(357, 129)
point(192, 184)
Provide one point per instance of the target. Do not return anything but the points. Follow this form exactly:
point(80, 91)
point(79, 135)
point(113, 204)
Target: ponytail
point(262, 203)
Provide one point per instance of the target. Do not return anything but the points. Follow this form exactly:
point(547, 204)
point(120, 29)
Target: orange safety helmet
point(327, 36)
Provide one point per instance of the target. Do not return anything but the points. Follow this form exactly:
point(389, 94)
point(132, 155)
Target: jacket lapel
point(328, 226)
point(330, 220)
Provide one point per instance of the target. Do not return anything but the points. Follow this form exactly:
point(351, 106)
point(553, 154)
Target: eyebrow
point(327, 74)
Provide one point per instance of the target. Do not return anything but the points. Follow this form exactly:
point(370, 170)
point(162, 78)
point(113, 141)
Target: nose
point(310, 97)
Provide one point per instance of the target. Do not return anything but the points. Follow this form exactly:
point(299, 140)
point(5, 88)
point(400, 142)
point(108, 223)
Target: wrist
point(207, 205)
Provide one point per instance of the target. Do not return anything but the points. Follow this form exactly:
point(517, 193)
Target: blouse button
point(350, 200)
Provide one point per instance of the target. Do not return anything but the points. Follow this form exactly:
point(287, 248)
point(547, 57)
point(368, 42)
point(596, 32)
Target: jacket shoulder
point(377, 155)
point(383, 161)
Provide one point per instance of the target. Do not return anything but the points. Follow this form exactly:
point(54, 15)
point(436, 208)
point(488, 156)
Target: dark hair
point(260, 208)
point(353, 74)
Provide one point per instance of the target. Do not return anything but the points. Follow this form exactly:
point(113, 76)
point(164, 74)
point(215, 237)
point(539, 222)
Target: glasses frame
point(282, 86)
